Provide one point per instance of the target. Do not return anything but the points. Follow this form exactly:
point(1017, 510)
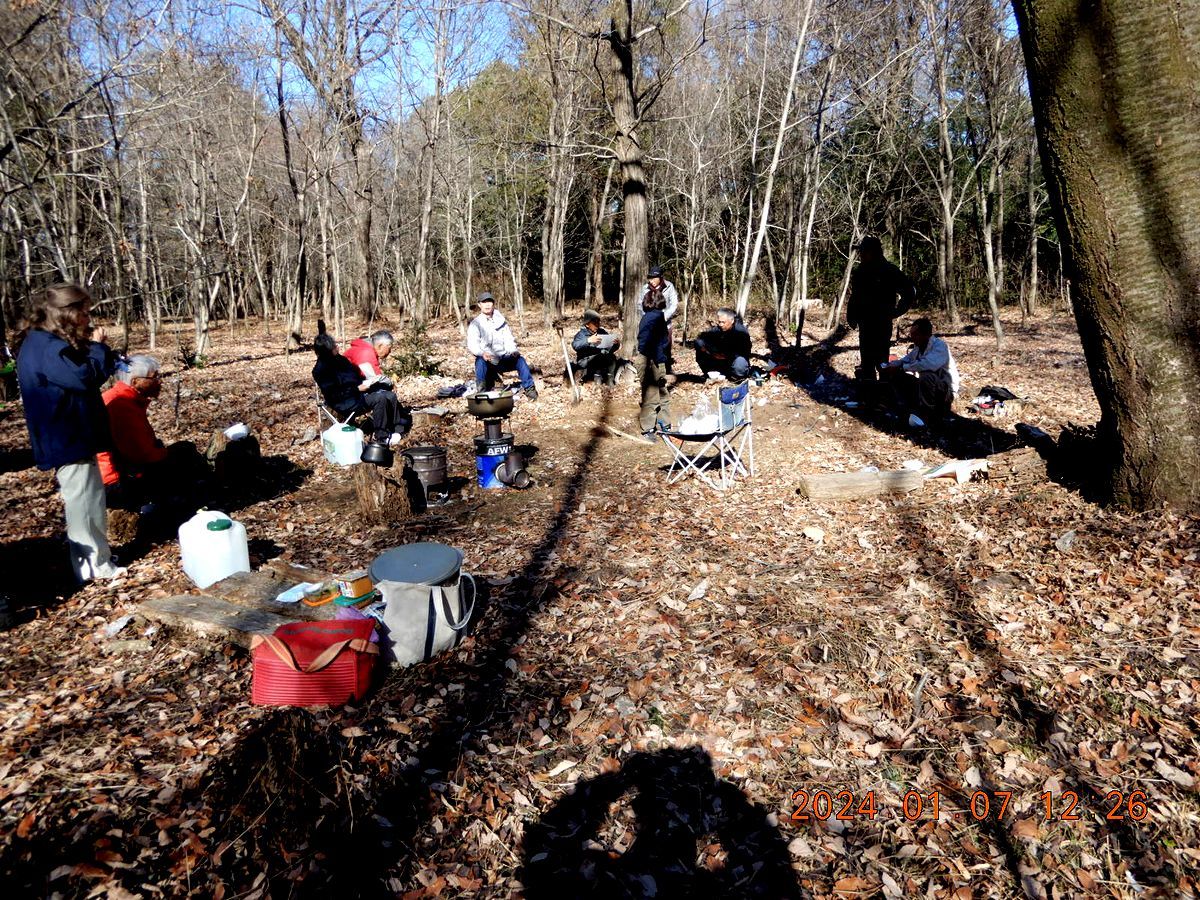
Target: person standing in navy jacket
point(61, 366)
point(654, 349)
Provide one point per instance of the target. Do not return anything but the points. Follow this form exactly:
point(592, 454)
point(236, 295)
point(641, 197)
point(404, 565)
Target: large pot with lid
point(429, 464)
point(490, 404)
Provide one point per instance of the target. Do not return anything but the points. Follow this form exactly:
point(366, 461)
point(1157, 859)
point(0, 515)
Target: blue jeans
point(486, 372)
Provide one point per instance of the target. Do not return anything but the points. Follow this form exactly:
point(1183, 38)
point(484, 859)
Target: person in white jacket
point(494, 347)
point(925, 380)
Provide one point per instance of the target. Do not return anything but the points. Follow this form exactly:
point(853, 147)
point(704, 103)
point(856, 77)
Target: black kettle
point(378, 453)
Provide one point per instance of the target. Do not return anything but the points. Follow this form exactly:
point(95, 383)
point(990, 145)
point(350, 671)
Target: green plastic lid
point(220, 525)
point(349, 428)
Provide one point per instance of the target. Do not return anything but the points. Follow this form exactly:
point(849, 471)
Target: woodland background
point(221, 160)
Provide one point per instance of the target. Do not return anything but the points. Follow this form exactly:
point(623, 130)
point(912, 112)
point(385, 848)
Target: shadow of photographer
point(695, 835)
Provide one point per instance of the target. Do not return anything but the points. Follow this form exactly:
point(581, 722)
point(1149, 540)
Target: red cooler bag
point(313, 663)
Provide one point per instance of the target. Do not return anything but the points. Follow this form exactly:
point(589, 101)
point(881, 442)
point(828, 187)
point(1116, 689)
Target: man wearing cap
point(879, 292)
point(494, 347)
point(594, 352)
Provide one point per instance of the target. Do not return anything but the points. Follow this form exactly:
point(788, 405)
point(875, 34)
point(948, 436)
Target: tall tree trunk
point(628, 151)
point(1116, 96)
point(1031, 292)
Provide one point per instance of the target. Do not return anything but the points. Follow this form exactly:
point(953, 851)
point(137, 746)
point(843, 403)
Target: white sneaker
point(395, 439)
point(110, 571)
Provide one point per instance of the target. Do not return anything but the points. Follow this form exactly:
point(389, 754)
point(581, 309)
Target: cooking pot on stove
point(378, 453)
point(490, 404)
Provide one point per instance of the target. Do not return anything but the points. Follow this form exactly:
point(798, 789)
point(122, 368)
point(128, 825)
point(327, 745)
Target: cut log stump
point(1022, 467)
point(852, 485)
point(383, 494)
point(212, 617)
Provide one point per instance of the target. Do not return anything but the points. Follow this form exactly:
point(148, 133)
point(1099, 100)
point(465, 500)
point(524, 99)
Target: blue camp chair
point(733, 442)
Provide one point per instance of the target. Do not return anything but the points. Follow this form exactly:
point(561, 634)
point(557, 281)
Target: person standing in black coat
point(879, 293)
point(61, 365)
point(654, 349)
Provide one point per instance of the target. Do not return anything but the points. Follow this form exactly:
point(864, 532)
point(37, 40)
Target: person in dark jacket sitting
point(595, 361)
point(61, 365)
point(726, 348)
point(654, 349)
point(347, 391)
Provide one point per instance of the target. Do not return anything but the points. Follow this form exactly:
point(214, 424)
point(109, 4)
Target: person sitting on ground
point(726, 348)
point(348, 391)
point(140, 470)
point(654, 352)
point(597, 362)
point(494, 347)
point(368, 354)
point(925, 380)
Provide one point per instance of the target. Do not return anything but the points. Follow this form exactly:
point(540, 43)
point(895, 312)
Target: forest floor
point(662, 683)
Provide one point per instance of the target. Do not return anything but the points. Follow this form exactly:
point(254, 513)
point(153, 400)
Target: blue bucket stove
point(490, 450)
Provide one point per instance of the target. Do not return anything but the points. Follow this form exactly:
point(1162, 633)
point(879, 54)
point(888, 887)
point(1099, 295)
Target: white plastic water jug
point(213, 546)
point(343, 444)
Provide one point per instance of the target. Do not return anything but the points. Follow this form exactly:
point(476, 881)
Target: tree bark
point(628, 151)
point(1116, 96)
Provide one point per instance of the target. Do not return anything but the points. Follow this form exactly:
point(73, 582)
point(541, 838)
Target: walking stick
point(570, 373)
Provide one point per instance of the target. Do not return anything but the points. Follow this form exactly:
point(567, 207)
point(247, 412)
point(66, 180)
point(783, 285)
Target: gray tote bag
point(422, 620)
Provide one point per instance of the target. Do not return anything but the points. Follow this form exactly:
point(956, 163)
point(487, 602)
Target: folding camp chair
point(323, 408)
point(733, 441)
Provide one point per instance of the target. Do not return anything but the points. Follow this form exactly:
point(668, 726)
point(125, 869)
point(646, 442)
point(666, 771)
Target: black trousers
point(874, 345)
point(387, 414)
point(600, 365)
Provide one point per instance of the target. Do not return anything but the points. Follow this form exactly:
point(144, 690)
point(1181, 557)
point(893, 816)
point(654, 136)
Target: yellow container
point(355, 584)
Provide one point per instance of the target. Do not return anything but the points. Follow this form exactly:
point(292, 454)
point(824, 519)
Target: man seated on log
point(347, 391)
point(494, 347)
point(925, 380)
point(140, 471)
point(726, 348)
point(595, 361)
point(368, 355)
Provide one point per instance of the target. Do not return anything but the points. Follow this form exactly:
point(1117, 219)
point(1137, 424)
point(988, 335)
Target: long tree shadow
point(683, 814)
point(1038, 721)
point(361, 850)
point(812, 370)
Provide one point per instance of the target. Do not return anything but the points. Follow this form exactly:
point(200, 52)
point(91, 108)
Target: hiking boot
point(531, 393)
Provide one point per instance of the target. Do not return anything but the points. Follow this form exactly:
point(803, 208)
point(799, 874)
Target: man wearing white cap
point(494, 347)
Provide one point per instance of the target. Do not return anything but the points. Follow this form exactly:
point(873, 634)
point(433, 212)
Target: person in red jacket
point(140, 469)
point(368, 353)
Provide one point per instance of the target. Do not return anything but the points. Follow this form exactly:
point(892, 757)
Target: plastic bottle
point(213, 546)
point(343, 444)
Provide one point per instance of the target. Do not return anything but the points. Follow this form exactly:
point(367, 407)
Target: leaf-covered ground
point(662, 682)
